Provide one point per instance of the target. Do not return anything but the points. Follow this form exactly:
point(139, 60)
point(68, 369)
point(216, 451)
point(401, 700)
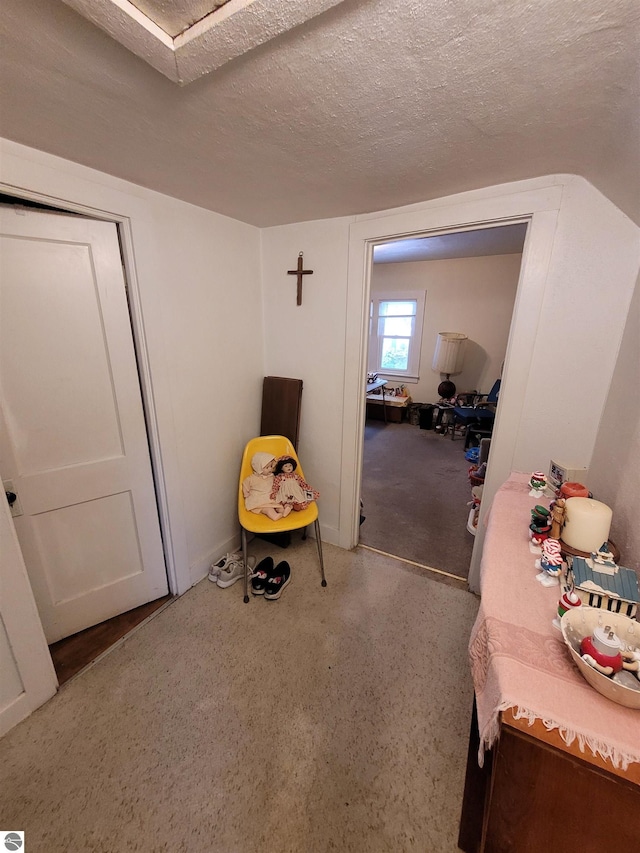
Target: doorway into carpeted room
point(415, 493)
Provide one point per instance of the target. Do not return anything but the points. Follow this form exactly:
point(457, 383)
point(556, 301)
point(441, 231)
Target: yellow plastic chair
point(253, 522)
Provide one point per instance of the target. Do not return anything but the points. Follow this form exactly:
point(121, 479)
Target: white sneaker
point(234, 571)
point(216, 568)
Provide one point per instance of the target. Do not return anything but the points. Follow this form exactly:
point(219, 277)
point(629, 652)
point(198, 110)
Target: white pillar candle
point(587, 524)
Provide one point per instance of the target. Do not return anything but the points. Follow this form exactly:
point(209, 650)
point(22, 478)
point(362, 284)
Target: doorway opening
point(418, 468)
point(124, 500)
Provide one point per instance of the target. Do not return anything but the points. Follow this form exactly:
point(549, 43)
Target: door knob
point(12, 498)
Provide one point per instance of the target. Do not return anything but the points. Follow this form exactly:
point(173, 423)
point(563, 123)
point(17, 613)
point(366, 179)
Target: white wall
point(474, 296)
point(198, 275)
point(592, 274)
point(213, 329)
point(307, 342)
point(614, 475)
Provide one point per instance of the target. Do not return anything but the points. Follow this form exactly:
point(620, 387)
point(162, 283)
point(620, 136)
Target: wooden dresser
point(561, 768)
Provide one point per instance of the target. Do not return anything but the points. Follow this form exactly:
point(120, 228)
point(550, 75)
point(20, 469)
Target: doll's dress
point(257, 489)
point(292, 489)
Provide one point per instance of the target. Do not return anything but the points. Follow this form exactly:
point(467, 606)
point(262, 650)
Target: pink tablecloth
point(519, 660)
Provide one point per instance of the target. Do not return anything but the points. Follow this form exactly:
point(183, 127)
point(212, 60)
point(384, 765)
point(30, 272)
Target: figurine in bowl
point(604, 651)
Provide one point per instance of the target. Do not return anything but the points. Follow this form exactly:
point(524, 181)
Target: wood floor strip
point(72, 654)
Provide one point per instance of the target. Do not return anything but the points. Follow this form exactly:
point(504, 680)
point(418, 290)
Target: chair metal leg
point(304, 533)
point(319, 544)
point(246, 565)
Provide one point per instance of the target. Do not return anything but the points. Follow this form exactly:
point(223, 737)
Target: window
point(396, 334)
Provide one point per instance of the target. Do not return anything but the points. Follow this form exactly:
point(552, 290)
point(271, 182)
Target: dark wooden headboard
point(281, 401)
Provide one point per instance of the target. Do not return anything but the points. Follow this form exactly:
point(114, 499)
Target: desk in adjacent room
point(373, 386)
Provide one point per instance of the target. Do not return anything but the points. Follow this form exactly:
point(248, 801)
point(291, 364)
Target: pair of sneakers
point(229, 569)
point(270, 580)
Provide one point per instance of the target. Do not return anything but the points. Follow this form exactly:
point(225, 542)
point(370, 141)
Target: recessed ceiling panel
point(190, 38)
point(176, 16)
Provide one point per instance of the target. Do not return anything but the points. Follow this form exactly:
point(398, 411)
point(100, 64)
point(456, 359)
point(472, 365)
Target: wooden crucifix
point(299, 272)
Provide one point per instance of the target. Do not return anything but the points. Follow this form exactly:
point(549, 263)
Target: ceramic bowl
point(578, 623)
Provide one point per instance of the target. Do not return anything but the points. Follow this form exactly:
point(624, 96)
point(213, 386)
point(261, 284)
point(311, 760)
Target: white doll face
point(269, 468)
point(287, 468)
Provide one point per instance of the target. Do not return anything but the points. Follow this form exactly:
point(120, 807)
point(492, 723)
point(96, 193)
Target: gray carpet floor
point(415, 489)
point(334, 719)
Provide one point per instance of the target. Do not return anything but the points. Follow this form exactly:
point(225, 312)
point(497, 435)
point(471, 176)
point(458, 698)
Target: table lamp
point(448, 359)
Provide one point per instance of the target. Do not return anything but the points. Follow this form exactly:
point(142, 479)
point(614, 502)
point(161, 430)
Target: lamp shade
point(448, 357)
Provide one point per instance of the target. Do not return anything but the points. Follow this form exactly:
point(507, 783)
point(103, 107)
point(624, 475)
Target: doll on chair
point(257, 488)
point(289, 489)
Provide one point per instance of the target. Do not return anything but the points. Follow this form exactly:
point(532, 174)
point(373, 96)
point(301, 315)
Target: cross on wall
point(299, 272)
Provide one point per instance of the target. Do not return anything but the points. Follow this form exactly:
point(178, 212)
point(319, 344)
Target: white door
point(73, 443)
point(27, 678)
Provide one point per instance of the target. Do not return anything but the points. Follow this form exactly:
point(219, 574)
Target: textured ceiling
point(370, 105)
point(503, 240)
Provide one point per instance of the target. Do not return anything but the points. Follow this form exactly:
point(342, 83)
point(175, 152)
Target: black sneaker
point(260, 575)
point(277, 581)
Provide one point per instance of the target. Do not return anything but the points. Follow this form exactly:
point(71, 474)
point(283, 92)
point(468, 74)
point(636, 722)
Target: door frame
point(482, 227)
point(177, 574)
point(540, 208)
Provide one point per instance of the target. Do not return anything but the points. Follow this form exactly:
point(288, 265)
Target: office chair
point(477, 418)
